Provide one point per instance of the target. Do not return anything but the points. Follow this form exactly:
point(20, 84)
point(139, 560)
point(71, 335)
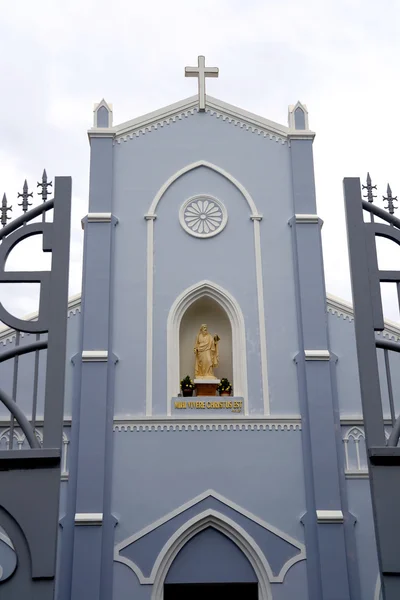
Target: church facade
point(202, 213)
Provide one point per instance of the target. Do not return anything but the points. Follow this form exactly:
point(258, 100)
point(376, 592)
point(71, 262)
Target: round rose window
point(203, 216)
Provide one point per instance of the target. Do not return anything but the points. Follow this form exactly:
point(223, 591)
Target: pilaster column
point(92, 557)
point(326, 517)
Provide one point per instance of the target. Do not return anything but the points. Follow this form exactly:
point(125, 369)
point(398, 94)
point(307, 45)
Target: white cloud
point(339, 57)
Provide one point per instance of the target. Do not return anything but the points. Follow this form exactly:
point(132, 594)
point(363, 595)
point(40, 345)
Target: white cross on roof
point(201, 72)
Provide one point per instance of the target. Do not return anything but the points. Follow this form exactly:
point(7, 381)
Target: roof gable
point(188, 107)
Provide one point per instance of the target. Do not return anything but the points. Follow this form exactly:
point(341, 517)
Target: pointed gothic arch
point(192, 167)
point(256, 217)
point(235, 315)
point(225, 525)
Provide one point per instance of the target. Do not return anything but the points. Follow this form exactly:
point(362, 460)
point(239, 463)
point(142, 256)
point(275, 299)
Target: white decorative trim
point(304, 218)
point(149, 313)
point(212, 167)
point(211, 200)
point(180, 110)
point(261, 313)
point(88, 518)
point(298, 134)
point(244, 124)
point(99, 217)
point(342, 308)
point(150, 274)
point(330, 516)
point(220, 519)
point(317, 354)
point(239, 354)
point(101, 132)
point(354, 432)
point(94, 356)
point(207, 424)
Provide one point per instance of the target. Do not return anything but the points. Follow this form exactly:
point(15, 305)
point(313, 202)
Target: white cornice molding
point(89, 519)
point(330, 516)
point(305, 218)
point(7, 334)
point(185, 108)
point(317, 354)
point(239, 423)
point(94, 356)
point(342, 308)
point(99, 217)
point(300, 135)
point(99, 132)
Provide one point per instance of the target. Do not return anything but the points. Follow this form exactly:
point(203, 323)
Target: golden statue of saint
point(206, 352)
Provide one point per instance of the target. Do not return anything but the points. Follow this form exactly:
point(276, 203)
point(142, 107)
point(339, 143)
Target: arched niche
point(208, 290)
point(209, 311)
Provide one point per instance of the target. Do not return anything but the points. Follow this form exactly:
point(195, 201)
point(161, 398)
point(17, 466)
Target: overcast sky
point(339, 57)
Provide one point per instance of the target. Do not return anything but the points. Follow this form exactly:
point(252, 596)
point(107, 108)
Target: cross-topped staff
point(369, 187)
point(25, 195)
point(390, 207)
point(3, 211)
point(44, 184)
point(201, 72)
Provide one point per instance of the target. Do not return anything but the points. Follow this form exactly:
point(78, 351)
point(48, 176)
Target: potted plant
point(187, 386)
point(225, 387)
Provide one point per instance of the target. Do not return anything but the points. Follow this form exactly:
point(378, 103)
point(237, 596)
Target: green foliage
point(187, 383)
point(225, 386)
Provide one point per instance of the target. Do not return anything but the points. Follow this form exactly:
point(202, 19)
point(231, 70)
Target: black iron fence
point(30, 478)
point(383, 454)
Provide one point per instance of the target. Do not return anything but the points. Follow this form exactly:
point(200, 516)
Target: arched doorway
point(243, 549)
point(211, 566)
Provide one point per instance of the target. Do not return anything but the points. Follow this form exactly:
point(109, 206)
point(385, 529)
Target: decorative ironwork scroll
point(30, 478)
point(383, 455)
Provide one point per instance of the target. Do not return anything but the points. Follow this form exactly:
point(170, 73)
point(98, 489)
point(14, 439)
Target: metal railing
point(32, 526)
point(383, 454)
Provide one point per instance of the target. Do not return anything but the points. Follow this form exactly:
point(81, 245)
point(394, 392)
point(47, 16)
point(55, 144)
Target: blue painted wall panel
point(210, 557)
point(141, 166)
point(184, 464)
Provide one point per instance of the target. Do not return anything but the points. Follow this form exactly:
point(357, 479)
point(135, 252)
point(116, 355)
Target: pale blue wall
point(141, 166)
point(210, 557)
point(184, 464)
point(360, 506)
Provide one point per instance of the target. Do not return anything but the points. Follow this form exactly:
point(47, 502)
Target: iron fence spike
point(3, 211)
point(369, 187)
point(44, 184)
point(25, 195)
